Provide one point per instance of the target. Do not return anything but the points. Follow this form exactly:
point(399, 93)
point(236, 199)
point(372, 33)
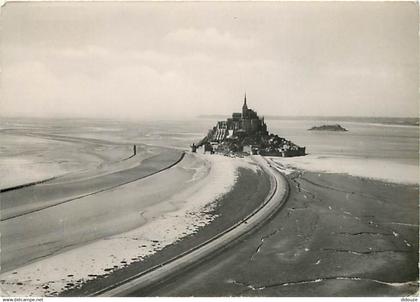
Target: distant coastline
point(404, 121)
point(400, 121)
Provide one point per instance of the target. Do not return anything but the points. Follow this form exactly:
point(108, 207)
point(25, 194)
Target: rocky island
point(246, 133)
point(335, 127)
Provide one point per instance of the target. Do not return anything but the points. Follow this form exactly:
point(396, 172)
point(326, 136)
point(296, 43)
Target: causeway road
point(139, 284)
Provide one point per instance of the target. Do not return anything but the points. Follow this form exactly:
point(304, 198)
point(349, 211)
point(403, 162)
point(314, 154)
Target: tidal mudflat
point(338, 235)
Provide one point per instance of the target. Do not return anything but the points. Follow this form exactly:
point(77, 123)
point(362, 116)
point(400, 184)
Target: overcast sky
point(147, 60)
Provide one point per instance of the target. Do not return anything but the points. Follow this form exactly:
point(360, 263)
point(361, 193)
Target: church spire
point(244, 108)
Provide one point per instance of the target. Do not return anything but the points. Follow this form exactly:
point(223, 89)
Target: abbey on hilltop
point(239, 125)
point(247, 133)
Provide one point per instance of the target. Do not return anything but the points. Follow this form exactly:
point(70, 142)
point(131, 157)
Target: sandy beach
point(67, 246)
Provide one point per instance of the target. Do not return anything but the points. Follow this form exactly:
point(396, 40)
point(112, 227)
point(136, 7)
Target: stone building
point(240, 124)
point(246, 133)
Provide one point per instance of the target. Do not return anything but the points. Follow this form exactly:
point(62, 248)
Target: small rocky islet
point(335, 127)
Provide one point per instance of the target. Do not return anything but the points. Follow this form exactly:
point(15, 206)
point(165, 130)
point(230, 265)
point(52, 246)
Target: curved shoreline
point(56, 203)
point(41, 181)
point(46, 157)
point(29, 184)
point(273, 202)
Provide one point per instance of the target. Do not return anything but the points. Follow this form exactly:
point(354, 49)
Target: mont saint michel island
point(247, 133)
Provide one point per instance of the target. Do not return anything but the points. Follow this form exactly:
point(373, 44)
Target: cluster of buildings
point(240, 125)
point(246, 132)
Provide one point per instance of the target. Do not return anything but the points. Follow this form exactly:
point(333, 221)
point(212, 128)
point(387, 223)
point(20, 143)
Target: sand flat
point(66, 189)
point(158, 210)
point(26, 158)
point(337, 235)
point(375, 168)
